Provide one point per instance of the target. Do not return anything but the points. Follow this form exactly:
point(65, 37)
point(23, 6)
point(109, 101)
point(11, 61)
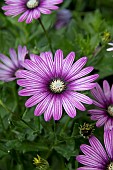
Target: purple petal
point(28, 75)
point(28, 92)
point(58, 59)
point(13, 56)
point(99, 104)
point(67, 63)
point(69, 108)
point(22, 53)
point(44, 11)
point(48, 58)
point(34, 67)
point(6, 61)
point(23, 16)
point(41, 65)
point(97, 95)
point(57, 106)
point(77, 66)
point(50, 110)
point(38, 97)
point(97, 112)
point(97, 146)
point(89, 161)
point(36, 14)
point(76, 103)
point(82, 98)
point(89, 168)
point(41, 107)
point(31, 84)
point(89, 151)
point(82, 73)
point(29, 17)
point(82, 87)
point(106, 89)
point(108, 141)
point(101, 121)
point(84, 80)
point(112, 94)
point(4, 67)
point(109, 123)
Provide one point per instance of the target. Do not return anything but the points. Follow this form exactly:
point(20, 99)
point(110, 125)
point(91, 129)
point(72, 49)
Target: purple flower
point(9, 66)
point(96, 158)
point(104, 102)
point(63, 18)
point(53, 84)
point(30, 9)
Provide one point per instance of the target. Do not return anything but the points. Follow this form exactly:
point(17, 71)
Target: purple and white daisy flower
point(96, 158)
point(104, 103)
point(53, 84)
point(29, 9)
point(9, 66)
point(63, 18)
point(111, 48)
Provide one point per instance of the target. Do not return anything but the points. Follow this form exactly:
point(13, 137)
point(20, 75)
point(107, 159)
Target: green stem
point(2, 123)
point(14, 90)
point(46, 33)
point(27, 124)
point(5, 107)
point(65, 126)
point(9, 111)
point(49, 153)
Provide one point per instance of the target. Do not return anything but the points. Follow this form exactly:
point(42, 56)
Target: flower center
point(110, 110)
point(110, 166)
point(86, 130)
point(57, 86)
point(32, 4)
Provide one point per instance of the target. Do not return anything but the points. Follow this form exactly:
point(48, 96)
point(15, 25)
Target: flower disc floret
point(32, 4)
point(110, 166)
point(55, 84)
point(110, 110)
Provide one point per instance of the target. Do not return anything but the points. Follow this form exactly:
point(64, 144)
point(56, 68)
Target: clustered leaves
point(23, 135)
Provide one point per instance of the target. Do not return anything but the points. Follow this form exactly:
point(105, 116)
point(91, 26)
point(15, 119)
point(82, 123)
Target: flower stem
point(18, 117)
point(5, 107)
point(28, 124)
point(46, 33)
point(65, 125)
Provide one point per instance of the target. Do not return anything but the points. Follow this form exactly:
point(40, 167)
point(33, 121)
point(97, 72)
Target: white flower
point(111, 48)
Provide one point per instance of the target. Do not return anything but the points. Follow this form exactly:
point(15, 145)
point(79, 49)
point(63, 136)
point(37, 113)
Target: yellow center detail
point(110, 110)
point(57, 86)
point(110, 166)
point(32, 4)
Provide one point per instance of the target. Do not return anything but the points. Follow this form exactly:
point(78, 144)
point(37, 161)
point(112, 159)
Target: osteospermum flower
point(111, 48)
point(53, 84)
point(104, 102)
point(29, 9)
point(96, 158)
point(9, 66)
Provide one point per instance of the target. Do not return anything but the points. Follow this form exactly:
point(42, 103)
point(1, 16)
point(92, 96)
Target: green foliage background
point(22, 135)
